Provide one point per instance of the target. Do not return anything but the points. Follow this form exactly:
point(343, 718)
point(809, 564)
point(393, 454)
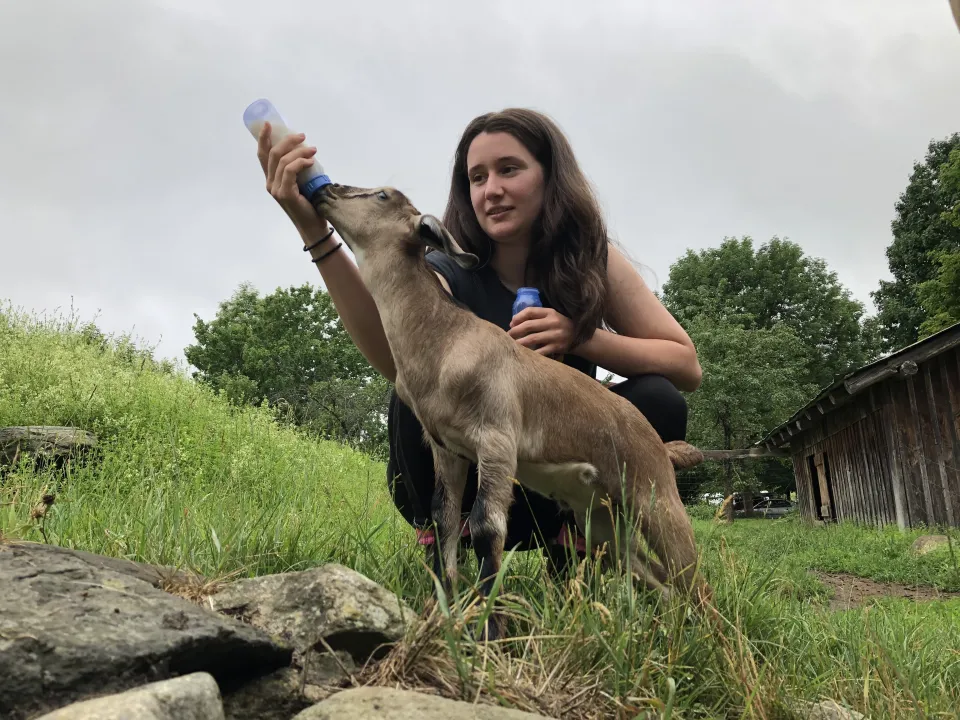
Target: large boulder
point(71, 630)
point(43, 443)
point(375, 703)
point(328, 607)
point(192, 697)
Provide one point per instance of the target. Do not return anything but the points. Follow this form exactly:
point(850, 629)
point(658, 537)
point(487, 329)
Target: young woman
point(520, 202)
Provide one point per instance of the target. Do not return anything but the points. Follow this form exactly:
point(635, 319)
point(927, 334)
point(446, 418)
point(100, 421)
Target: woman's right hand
point(280, 164)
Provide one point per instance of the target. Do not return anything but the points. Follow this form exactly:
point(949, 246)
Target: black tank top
point(481, 292)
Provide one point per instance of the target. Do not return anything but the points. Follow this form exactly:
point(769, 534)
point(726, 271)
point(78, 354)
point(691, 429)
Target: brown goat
point(482, 397)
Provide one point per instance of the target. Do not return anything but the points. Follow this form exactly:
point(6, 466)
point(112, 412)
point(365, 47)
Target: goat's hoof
point(493, 629)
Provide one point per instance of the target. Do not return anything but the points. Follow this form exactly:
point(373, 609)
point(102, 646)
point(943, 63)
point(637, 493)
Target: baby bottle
point(310, 179)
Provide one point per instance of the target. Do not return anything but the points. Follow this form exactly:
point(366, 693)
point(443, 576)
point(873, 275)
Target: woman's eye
point(382, 195)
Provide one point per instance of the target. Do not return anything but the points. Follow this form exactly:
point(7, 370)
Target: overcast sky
point(129, 183)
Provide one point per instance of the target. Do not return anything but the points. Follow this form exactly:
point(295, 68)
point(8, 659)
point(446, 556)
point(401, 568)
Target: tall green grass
point(182, 478)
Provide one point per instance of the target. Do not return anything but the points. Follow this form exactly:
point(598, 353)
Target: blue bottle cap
point(313, 184)
point(529, 294)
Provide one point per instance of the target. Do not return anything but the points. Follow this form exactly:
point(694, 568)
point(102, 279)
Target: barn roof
point(903, 362)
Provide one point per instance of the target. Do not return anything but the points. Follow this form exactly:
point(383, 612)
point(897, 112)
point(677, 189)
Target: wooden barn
point(882, 444)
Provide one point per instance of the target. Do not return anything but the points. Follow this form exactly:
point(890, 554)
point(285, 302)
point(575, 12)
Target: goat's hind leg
point(496, 471)
point(451, 480)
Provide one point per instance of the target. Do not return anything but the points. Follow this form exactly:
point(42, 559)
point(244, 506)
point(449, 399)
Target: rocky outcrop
point(372, 703)
point(43, 443)
point(70, 630)
point(84, 635)
point(192, 697)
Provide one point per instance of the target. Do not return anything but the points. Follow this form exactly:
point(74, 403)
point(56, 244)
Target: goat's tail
point(683, 455)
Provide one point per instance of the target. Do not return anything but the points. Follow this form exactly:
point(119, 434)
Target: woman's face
point(506, 186)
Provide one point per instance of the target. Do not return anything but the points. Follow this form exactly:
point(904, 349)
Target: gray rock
point(278, 696)
point(374, 703)
point(827, 710)
point(928, 543)
point(43, 442)
point(157, 576)
point(332, 603)
point(70, 631)
point(192, 697)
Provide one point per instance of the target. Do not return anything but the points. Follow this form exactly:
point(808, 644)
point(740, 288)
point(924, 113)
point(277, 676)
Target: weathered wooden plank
point(804, 495)
point(841, 477)
point(919, 449)
point(889, 421)
point(949, 415)
point(868, 472)
point(882, 459)
point(909, 456)
point(938, 435)
point(878, 453)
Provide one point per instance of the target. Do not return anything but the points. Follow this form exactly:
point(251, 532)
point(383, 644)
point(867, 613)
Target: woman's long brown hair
point(568, 252)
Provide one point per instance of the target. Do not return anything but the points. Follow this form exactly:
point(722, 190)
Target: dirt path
point(850, 591)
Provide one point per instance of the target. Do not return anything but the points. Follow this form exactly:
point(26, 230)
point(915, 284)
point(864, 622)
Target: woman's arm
point(352, 300)
point(355, 306)
point(648, 339)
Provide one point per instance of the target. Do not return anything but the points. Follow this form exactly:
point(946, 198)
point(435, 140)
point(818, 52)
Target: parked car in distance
point(774, 507)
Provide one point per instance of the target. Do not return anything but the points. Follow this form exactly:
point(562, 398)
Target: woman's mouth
point(498, 211)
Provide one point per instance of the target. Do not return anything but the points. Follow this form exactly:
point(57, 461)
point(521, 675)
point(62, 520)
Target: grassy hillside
point(184, 479)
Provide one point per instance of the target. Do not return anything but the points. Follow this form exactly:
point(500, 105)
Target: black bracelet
point(308, 248)
point(328, 253)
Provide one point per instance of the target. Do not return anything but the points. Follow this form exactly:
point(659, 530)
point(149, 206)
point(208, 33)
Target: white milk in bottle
point(309, 180)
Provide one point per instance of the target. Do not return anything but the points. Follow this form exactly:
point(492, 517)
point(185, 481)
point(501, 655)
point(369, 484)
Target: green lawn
point(181, 478)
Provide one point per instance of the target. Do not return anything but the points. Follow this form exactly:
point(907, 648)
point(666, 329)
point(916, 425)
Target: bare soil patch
point(850, 591)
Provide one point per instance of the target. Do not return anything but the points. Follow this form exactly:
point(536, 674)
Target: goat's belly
point(572, 484)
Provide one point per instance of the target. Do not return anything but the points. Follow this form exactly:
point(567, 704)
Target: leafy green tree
point(924, 228)
point(940, 296)
point(753, 377)
point(761, 288)
point(290, 349)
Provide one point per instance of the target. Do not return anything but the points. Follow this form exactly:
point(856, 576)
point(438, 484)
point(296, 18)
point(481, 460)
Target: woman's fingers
point(535, 339)
point(299, 153)
point(288, 189)
point(278, 151)
point(530, 326)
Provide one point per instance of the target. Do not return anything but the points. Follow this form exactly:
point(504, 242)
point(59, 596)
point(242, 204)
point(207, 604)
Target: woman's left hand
point(543, 327)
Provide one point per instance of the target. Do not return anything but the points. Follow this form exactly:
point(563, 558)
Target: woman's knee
point(661, 403)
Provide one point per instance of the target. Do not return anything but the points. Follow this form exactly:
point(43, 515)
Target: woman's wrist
point(318, 243)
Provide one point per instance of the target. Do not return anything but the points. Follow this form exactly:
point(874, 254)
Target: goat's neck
point(418, 318)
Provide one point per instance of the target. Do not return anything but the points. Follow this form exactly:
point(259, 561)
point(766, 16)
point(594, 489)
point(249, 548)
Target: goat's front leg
point(451, 480)
point(496, 469)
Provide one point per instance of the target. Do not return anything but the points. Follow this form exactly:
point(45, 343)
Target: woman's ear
point(432, 232)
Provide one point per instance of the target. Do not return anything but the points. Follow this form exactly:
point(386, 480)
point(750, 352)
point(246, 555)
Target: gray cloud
point(129, 183)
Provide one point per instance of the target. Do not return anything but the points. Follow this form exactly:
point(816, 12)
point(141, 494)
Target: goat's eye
point(382, 195)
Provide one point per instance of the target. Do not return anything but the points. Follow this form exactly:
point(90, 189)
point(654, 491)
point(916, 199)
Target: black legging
point(534, 520)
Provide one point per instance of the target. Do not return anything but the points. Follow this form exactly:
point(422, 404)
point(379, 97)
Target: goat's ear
point(433, 233)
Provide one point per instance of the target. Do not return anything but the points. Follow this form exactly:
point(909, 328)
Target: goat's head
point(378, 224)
